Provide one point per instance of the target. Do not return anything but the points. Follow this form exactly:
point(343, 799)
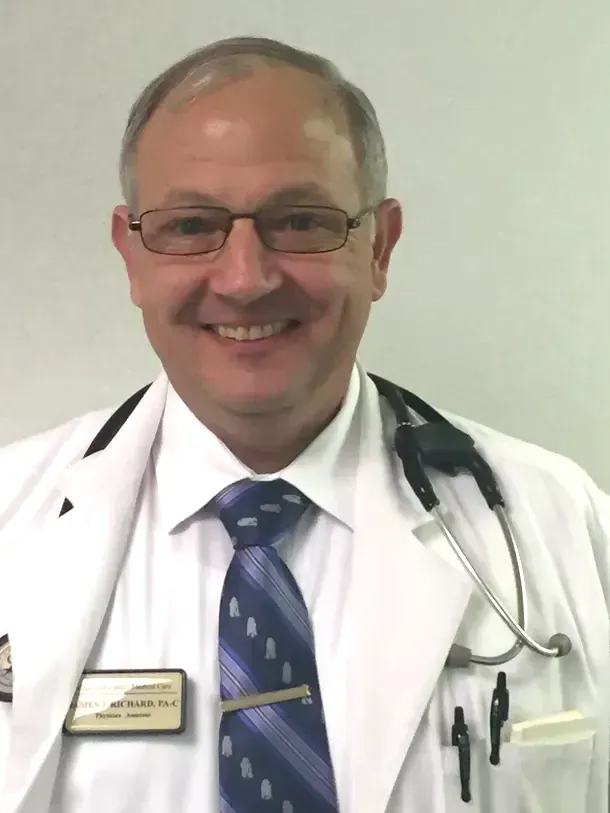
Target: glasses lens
point(192, 230)
point(303, 229)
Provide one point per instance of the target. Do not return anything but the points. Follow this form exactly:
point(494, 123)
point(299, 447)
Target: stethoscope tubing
point(557, 646)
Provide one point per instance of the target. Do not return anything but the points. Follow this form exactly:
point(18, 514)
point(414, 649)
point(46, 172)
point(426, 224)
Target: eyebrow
point(302, 193)
point(187, 197)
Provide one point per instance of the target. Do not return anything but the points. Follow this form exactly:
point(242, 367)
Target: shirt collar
point(192, 465)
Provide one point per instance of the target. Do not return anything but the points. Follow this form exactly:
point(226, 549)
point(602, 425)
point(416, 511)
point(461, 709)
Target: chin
point(256, 392)
point(260, 397)
point(255, 404)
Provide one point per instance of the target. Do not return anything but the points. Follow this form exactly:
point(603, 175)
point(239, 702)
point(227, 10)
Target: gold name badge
point(129, 702)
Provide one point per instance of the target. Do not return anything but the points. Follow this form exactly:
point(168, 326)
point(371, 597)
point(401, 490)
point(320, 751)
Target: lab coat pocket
point(529, 779)
point(549, 778)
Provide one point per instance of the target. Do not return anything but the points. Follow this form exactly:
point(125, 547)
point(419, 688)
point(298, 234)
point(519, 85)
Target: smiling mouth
point(253, 333)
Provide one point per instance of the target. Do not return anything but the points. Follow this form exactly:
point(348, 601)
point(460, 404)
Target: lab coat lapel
point(62, 597)
point(408, 603)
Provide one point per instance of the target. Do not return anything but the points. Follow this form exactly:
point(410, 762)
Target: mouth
point(253, 333)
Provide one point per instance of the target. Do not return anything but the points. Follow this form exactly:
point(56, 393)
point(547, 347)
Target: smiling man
point(223, 596)
point(259, 249)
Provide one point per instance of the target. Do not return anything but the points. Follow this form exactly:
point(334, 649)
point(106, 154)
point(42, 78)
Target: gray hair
point(227, 60)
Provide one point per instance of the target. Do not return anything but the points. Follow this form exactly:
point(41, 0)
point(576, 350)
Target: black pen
point(461, 740)
point(498, 715)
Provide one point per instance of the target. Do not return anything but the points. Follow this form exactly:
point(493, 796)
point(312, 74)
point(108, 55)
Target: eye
point(304, 221)
point(296, 221)
point(192, 225)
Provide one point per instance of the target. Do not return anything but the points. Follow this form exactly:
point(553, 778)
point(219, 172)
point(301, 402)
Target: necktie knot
point(259, 513)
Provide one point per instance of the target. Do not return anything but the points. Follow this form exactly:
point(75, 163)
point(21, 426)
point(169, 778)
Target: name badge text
point(129, 702)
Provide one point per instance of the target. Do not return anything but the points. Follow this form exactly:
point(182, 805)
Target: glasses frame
point(135, 225)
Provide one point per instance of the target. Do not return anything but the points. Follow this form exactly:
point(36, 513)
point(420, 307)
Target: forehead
point(240, 142)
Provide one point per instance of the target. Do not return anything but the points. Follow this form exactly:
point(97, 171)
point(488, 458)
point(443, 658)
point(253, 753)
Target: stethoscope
point(435, 444)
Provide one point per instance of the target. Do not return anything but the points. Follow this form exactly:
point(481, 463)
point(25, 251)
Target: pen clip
point(498, 715)
point(461, 740)
point(502, 691)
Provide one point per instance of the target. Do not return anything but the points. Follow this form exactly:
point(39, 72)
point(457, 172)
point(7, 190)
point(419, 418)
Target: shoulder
point(32, 464)
point(519, 466)
point(511, 458)
point(61, 440)
point(551, 490)
point(520, 460)
point(554, 499)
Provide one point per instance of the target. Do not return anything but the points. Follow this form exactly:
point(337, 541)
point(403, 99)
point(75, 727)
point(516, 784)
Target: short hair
point(225, 61)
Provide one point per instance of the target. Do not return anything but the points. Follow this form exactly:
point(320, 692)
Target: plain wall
point(497, 119)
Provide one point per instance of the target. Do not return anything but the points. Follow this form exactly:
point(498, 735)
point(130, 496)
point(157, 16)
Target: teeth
point(248, 334)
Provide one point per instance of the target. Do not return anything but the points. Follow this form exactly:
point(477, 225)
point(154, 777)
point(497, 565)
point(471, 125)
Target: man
point(250, 503)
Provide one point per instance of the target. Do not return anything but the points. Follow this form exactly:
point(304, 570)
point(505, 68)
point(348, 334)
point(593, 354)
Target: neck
point(269, 443)
point(274, 448)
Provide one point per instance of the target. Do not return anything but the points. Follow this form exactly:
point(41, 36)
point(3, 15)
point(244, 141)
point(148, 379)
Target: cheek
point(160, 286)
point(349, 282)
point(333, 276)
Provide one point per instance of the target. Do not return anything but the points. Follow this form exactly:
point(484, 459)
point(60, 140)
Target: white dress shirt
point(164, 611)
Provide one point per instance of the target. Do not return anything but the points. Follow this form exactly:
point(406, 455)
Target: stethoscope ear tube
point(405, 445)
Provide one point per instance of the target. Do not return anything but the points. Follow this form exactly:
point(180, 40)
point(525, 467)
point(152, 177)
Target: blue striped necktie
point(273, 758)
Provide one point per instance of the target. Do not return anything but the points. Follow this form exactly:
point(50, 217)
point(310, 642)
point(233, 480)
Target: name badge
point(138, 701)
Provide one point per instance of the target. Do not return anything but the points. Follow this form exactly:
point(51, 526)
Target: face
point(274, 137)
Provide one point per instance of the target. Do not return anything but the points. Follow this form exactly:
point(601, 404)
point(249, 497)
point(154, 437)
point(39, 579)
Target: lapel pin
point(6, 670)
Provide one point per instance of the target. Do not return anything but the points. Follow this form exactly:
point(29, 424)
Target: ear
point(123, 240)
point(120, 231)
point(388, 225)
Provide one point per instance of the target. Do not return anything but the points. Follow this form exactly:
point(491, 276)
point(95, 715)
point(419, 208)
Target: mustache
point(197, 309)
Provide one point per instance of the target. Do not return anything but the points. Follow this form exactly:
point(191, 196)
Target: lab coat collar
point(192, 465)
point(406, 607)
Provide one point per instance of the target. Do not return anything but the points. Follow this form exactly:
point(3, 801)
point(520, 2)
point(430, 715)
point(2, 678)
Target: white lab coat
point(411, 600)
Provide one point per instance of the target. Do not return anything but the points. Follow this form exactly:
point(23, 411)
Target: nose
point(245, 270)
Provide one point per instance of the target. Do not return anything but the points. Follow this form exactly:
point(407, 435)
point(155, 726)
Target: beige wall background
point(497, 118)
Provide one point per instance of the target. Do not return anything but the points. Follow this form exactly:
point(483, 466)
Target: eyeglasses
point(203, 229)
